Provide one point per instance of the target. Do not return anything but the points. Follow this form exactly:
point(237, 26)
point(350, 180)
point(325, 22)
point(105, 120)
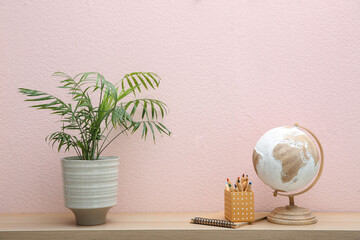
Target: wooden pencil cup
point(239, 206)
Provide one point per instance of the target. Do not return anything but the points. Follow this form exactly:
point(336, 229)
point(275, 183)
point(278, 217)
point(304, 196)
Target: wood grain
point(172, 226)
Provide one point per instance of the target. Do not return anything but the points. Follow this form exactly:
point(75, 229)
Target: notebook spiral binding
point(213, 222)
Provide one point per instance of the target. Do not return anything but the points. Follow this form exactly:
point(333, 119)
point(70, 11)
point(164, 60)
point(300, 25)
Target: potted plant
point(90, 179)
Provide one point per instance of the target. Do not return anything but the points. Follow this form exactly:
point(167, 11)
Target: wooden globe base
point(291, 215)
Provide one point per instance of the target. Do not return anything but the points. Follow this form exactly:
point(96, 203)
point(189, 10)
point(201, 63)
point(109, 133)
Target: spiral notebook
point(225, 223)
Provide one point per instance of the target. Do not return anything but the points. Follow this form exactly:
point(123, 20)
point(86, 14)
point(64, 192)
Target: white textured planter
point(90, 188)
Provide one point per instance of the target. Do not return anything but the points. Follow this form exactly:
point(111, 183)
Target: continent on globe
point(294, 158)
point(286, 158)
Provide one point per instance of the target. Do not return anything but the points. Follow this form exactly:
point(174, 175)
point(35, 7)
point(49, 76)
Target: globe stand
point(292, 214)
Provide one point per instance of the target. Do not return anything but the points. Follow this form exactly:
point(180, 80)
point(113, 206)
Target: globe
point(286, 159)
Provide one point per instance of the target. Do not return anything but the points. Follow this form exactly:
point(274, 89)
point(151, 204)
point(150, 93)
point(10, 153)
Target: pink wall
point(232, 70)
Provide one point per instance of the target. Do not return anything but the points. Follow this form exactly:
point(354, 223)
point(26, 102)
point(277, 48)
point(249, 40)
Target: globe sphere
point(286, 159)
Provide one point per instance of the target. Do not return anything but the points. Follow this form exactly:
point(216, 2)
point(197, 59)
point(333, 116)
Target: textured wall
point(232, 70)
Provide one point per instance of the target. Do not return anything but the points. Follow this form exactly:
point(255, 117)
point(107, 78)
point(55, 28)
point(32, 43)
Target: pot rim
point(76, 159)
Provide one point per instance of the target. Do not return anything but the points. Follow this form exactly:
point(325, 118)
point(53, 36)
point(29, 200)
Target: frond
point(63, 140)
point(138, 80)
point(149, 108)
point(150, 125)
point(120, 117)
point(50, 102)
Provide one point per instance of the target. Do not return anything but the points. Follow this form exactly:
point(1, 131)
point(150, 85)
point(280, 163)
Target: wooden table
point(339, 226)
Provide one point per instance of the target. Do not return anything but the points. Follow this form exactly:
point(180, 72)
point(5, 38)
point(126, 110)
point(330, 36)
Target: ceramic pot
point(90, 188)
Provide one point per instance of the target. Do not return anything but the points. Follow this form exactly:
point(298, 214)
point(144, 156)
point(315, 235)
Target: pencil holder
point(239, 206)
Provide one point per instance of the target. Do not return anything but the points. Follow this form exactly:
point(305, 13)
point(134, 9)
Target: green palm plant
point(86, 127)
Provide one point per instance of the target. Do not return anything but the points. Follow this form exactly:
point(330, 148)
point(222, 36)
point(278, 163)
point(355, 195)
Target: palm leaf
point(51, 102)
point(137, 80)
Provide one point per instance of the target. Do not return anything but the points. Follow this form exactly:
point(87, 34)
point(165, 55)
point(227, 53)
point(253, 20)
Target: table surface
point(171, 226)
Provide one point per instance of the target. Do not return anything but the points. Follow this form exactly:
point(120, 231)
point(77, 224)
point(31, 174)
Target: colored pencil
point(249, 187)
point(227, 187)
